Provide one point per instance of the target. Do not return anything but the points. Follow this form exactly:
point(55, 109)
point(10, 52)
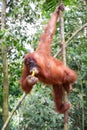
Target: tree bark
point(5, 66)
point(3, 15)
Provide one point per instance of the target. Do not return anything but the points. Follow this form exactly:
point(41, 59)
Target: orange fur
point(49, 69)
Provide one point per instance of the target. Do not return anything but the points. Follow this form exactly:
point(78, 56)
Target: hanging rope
point(65, 98)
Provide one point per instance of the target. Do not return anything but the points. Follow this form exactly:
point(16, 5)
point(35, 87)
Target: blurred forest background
point(25, 21)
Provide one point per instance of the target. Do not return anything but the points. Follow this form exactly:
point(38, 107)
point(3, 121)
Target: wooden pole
point(65, 98)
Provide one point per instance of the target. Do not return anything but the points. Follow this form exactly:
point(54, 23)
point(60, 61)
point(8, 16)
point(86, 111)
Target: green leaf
point(2, 32)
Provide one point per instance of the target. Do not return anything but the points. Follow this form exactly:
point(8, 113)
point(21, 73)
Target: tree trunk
point(5, 84)
point(5, 66)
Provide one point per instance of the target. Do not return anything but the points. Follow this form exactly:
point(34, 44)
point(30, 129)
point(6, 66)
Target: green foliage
point(2, 33)
point(38, 110)
point(52, 4)
point(25, 21)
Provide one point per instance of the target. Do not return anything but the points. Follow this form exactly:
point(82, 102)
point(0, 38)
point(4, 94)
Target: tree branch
point(68, 41)
point(18, 104)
